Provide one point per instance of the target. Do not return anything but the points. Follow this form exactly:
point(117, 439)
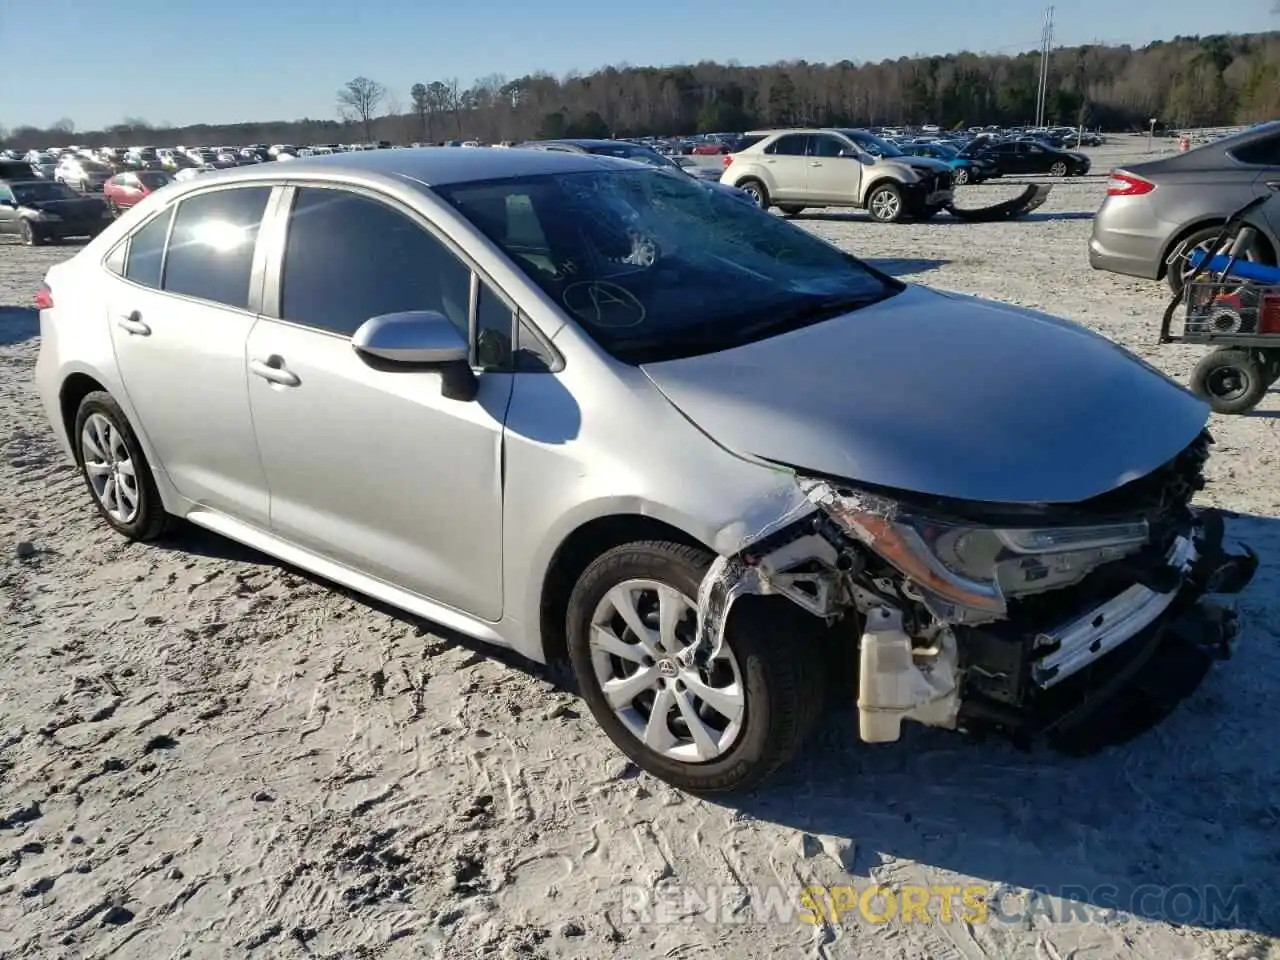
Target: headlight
point(966, 573)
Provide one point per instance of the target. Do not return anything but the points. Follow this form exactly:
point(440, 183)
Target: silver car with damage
point(581, 408)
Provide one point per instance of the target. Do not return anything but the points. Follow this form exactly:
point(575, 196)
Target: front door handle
point(132, 322)
point(273, 370)
point(815, 163)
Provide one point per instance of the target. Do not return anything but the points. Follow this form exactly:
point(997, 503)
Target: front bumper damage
point(1028, 666)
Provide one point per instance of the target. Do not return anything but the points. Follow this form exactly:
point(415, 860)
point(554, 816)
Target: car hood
point(68, 209)
point(920, 164)
point(942, 395)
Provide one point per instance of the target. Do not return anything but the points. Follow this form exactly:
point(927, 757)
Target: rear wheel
point(1231, 379)
point(115, 469)
point(1179, 269)
point(757, 192)
point(631, 625)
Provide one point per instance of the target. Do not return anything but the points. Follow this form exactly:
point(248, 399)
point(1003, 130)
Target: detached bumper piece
point(1105, 676)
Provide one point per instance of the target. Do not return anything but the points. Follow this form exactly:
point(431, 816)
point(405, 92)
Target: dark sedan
point(41, 210)
point(1034, 156)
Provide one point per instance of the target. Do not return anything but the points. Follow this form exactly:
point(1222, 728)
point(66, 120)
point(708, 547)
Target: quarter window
point(494, 322)
point(349, 258)
point(146, 251)
point(210, 253)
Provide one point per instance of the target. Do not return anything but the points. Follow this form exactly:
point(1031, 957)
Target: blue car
point(963, 169)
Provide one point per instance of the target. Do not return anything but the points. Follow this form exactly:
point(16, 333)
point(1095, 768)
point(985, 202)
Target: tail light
point(728, 159)
point(1127, 185)
point(44, 297)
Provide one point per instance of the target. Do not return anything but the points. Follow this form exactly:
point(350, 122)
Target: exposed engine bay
point(1014, 616)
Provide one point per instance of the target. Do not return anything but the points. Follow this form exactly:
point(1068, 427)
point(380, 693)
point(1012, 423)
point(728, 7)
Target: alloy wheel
point(886, 205)
point(642, 633)
point(110, 468)
point(961, 177)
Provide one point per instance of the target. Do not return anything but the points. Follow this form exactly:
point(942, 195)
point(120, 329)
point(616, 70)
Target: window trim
point(275, 248)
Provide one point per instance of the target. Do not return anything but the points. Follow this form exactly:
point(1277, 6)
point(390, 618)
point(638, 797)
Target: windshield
point(656, 267)
point(36, 191)
point(873, 144)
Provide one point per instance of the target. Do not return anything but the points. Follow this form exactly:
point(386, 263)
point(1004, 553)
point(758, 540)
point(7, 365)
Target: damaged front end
point(969, 614)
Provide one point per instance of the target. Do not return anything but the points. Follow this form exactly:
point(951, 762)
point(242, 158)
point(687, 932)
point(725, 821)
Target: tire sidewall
point(1059, 169)
point(678, 572)
point(871, 208)
point(756, 190)
point(27, 233)
point(1253, 372)
point(150, 516)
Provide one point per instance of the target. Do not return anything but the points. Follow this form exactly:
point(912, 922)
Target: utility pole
point(1046, 47)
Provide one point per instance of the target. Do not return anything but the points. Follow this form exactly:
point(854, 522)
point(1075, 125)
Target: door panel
point(831, 177)
point(788, 167)
point(375, 468)
point(182, 360)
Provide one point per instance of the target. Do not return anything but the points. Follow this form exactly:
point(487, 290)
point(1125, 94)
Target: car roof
point(433, 166)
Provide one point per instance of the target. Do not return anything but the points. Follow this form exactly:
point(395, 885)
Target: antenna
point(1046, 47)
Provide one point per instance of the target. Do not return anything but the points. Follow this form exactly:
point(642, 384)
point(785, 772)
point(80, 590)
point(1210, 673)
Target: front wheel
point(632, 619)
point(1231, 380)
point(885, 204)
point(960, 177)
point(28, 234)
point(1059, 169)
point(116, 470)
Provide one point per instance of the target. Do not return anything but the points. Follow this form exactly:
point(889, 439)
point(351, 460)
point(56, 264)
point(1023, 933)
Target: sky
point(179, 61)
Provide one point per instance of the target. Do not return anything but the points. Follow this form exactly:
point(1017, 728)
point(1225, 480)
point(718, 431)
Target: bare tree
point(65, 125)
point(358, 102)
point(453, 103)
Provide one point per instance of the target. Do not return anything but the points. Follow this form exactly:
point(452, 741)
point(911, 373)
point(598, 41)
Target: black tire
point(771, 641)
point(960, 176)
point(790, 209)
point(150, 520)
point(757, 191)
point(885, 204)
point(1174, 276)
point(28, 234)
point(1232, 380)
point(1058, 169)
point(927, 213)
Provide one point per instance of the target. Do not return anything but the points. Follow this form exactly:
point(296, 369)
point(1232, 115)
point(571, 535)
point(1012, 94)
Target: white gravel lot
point(205, 755)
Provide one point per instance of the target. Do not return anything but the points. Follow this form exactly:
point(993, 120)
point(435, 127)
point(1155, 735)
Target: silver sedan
point(580, 407)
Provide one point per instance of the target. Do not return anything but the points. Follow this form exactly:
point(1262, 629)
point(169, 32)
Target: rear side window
point(210, 253)
point(1264, 153)
point(146, 251)
point(348, 258)
point(792, 145)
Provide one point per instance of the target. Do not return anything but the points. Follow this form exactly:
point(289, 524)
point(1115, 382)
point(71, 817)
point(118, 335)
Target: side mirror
point(419, 340)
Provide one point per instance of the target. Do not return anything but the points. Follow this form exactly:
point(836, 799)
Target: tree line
point(1184, 82)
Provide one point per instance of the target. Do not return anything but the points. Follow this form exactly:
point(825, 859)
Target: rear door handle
point(132, 322)
point(273, 370)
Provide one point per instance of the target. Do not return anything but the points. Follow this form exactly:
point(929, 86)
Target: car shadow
point(904, 266)
point(1192, 796)
point(18, 324)
point(188, 538)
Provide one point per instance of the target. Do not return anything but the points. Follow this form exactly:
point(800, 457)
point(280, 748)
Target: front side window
point(36, 191)
point(654, 267)
point(210, 254)
point(348, 258)
point(820, 146)
point(146, 251)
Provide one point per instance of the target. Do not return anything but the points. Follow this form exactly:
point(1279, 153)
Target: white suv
point(794, 169)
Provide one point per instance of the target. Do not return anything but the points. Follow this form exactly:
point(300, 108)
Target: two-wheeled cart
point(1232, 304)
